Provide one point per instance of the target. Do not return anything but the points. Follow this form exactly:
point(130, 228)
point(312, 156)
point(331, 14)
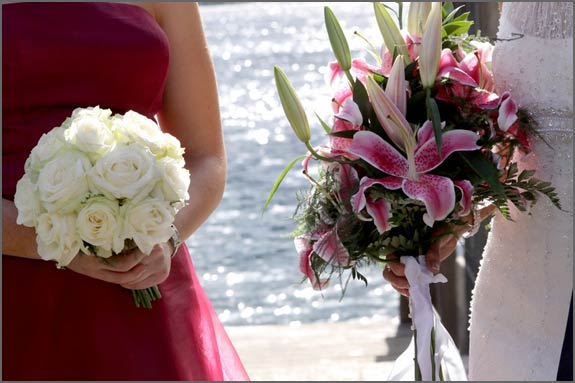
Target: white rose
point(97, 112)
point(62, 183)
point(57, 238)
point(175, 180)
point(48, 147)
point(140, 129)
point(173, 148)
point(148, 223)
point(27, 202)
point(100, 224)
point(125, 172)
point(90, 135)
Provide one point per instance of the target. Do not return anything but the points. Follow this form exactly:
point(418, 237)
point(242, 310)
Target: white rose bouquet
point(102, 184)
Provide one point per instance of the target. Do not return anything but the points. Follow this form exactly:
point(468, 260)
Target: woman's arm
point(191, 111)
point(17, 240)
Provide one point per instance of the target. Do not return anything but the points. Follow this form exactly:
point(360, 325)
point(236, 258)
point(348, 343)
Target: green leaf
point(485, 170)
point(455, 28)
point(462, 17)
point(280, 179)
point(324, 125)
point(451, 15)
point(344, 133)
point(433, 115)
point(361, 98)
point(447, 7)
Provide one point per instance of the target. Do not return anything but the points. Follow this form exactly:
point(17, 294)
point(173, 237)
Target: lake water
point(246, 261)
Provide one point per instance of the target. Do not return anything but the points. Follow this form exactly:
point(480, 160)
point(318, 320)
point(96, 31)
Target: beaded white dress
point(521, 298)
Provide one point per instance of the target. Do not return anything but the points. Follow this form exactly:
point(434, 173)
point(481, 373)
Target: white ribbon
point(424, 319)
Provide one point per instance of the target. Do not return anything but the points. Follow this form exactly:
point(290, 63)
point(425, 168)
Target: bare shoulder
point(173, 14)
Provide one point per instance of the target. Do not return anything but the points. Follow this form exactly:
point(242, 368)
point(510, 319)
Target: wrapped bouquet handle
point(436, 356)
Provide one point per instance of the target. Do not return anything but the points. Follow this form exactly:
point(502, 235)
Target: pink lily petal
point(339, 97)
point(379, 210)
point(426, 133)
point(386, 61)
point(339, 145)
point(484, 99)
point(458, 75)
point(347, 180)
point(477, 70)
point(427, 157)
point(362, 69)
point(467, 192)
point(350, 112)
point(331, 250)
point(304, 250)
point(305, 162)
point(388, 114)
point(396, 88)
point(378, 153)
point(436, 192)
point(413, 43)
point(507, 112)
point(358, 200)
point(334, 71)
point(447, 60)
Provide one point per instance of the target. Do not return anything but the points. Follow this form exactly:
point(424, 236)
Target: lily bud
point(392, 121)
point(417, 16)
point(396, 87)
point(292, 106)
point(430, 47)
point(390, 31)
point(337, 40)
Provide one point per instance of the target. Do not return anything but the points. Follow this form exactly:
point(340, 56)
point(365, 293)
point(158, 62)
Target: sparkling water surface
point(245, 261)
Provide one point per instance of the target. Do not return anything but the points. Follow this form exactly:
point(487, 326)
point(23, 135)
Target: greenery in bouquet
point(101, 185)
point(418, 139)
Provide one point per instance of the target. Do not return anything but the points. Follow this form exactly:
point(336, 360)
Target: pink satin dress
point(56, 324)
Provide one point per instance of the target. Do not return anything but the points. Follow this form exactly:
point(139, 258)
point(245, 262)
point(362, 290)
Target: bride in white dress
point(521, 298)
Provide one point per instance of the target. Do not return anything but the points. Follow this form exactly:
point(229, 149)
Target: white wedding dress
point(521, 298)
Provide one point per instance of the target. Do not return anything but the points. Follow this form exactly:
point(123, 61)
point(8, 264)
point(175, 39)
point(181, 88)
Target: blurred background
point(245, 260)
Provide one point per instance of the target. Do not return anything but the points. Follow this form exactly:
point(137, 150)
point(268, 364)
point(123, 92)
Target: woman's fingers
point(398, 282)
point(122, 262)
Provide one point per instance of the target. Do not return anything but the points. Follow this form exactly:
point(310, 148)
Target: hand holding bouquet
point(418, 140)
point(102, 185)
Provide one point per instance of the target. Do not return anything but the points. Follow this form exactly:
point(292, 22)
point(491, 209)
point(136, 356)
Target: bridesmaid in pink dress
point(80, 323)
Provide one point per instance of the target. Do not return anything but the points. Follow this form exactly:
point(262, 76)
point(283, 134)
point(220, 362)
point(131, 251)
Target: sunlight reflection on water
point(246, 261)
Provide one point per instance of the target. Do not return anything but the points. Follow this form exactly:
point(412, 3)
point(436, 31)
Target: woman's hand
point(133, 270)
point(394, 272)
point(447, 237)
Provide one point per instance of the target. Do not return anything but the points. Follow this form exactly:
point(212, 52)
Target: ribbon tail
point(443, 361)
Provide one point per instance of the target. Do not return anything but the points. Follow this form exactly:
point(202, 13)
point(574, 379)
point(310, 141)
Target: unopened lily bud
point(292, 106)
point(337, 40)
point(390, 31)
point(417, 16)
point(430, 47)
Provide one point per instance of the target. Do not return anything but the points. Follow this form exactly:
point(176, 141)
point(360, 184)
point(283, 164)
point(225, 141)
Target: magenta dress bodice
point(56, 324)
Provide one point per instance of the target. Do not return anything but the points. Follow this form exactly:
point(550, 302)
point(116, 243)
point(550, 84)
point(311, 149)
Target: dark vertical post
point(452, 299)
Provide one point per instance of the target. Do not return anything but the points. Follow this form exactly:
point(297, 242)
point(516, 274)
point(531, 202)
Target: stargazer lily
point(411, 172)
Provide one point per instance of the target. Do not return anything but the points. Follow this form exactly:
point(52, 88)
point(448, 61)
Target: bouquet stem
point(144, 298)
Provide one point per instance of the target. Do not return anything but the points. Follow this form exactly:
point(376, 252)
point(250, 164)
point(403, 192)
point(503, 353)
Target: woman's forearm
point(207, 183)
point(17, 240)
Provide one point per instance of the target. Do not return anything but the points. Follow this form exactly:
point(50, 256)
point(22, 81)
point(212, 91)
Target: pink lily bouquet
point(418, 140)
